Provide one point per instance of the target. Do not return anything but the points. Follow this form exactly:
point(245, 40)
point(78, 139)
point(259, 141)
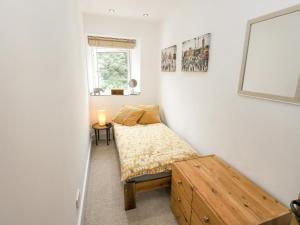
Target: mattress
point(149, 150)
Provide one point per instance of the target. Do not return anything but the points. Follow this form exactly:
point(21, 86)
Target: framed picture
point(195, 54)
point(168, 59)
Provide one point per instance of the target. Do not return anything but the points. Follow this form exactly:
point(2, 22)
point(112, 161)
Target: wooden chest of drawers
point(207, 191)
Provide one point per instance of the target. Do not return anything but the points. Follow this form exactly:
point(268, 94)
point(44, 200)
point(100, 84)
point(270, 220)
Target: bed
point(146, 153)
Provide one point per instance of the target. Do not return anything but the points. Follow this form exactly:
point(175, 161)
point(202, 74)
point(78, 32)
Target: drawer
point(195, 220)
point(177, 213)
point(202, 214)
point(181, 184)
point(182, 203)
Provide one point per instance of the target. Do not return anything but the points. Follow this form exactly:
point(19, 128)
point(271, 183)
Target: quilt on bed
point(149, 149)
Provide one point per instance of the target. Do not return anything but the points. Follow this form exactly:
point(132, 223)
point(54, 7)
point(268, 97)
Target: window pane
point(112, 70)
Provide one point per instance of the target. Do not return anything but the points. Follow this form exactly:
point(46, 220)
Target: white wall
point(147, 33)
point(44, 112)
point(260, 138)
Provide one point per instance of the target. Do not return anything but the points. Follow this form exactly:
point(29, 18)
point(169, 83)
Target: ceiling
point(157, 9)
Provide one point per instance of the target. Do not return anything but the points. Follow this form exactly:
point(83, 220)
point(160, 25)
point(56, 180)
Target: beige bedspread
point(149, 149)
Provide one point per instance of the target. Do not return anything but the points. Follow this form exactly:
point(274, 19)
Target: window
point(112, 68)
point(112, 63)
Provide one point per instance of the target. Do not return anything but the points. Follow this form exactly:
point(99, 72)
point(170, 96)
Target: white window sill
point(126, 93)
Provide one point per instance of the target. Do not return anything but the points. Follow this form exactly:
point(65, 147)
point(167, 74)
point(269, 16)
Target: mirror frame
point(279, 98)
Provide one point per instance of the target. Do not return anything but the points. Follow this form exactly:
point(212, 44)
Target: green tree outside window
point(112, 70)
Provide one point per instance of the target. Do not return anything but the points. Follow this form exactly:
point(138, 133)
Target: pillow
point(128, 115)
point(151, 114)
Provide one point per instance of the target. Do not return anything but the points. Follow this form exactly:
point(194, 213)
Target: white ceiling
point(157, 9)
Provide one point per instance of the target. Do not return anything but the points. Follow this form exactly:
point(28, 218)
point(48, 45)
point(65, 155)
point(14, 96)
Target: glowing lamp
point(101, 117)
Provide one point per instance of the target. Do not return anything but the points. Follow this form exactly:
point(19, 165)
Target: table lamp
point(132, 84)
point(101, 117)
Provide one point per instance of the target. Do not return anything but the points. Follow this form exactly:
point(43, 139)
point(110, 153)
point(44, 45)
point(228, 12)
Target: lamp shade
point(101, 117)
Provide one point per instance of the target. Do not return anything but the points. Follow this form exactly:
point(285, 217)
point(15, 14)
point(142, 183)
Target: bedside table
point(97, 129)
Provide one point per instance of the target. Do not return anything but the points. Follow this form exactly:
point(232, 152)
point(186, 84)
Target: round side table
point(97, 129)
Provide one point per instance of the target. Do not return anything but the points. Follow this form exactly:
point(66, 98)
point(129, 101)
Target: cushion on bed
point(128, 115)
point(151, 114)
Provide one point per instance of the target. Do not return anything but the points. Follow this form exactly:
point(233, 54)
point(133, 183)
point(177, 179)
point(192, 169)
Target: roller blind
point(109, 42)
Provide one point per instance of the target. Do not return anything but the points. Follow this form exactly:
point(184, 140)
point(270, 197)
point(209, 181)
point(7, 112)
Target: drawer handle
point(205, 219)
point(185, 219)
point(178, 199)
point(179, 182)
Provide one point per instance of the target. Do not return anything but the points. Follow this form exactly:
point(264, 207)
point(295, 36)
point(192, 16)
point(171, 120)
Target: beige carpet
point(104, 205)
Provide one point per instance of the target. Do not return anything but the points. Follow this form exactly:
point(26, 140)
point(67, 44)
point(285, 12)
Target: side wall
point(147, 33)
point(260, 138)
point(44, 139)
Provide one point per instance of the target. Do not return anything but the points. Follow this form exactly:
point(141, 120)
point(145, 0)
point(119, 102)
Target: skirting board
point(82, 207)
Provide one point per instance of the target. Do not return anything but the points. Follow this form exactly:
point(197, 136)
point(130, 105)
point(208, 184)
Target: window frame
point(96, 78)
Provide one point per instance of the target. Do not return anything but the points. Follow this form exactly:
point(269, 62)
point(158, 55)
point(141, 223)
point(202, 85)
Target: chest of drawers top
point(229, 197)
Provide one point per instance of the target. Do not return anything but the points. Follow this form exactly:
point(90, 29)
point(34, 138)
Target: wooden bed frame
point(133, 187)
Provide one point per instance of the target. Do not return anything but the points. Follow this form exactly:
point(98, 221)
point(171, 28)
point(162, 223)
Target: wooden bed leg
point(129, 196)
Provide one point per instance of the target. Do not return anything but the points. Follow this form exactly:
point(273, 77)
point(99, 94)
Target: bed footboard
point(131, 188)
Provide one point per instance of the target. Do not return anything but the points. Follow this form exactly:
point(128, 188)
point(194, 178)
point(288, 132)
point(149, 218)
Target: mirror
point(271, 61)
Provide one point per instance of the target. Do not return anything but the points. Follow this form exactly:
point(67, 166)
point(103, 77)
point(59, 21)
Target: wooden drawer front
point(181, 184)
point(182, 203)
point(177, 213)
point(202, 214)
point(195, 220)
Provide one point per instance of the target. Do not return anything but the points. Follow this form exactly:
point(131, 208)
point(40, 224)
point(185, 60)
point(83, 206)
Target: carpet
point(104, 200)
